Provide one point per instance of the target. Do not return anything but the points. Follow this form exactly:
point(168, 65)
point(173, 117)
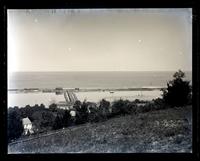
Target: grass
point(166, 130)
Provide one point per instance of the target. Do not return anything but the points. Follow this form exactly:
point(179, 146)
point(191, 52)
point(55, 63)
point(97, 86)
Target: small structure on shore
point(77, 89)
point(73, 113)
point(28, 127)
point(59, 90)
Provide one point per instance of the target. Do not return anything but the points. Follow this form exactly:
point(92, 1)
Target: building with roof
point(27, 125)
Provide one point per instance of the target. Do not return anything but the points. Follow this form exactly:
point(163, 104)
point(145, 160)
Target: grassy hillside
point(167, 130)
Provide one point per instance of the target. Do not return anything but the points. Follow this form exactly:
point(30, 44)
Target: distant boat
point(111, 92)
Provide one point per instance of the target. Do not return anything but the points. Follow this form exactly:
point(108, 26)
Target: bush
point(121, 107)
point(77, 105)
point(81, 112)
point(67, 120)
point(134, 108)
point(47, 119)
point(104, 109)
point(159, 104)
point(139, 101)
point(94, 116)
point(53, 107)
point(58, 123)
point(148, 107)
point(178, 91)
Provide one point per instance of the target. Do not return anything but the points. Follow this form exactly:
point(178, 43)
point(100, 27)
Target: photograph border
point(69, 4)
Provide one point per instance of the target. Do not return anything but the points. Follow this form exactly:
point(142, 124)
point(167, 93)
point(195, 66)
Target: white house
point(28, 127)
point(73, 113)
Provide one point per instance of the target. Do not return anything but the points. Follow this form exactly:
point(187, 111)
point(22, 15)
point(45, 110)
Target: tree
point(15, 127)
point(178, 91)
point(53, 107)
point(104, 108)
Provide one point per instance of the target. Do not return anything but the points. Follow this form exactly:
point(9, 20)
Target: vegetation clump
point(178, 91)
point(14, 128)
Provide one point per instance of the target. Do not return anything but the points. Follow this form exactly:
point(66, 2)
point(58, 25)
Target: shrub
point(120, 107)
point(178, 91)
point(147, 107)
point(58, 123)
point(77, 105)
point(159, 104)
point(47, 119)
point(67, 121)
point(53, 107)
point(81, 112)
point(134, 108)
point(104, 109)
point(139, 101)
point(94, 115)
point(130, 107)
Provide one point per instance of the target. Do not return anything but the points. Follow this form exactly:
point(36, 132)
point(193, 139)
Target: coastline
point(53, 90)
point(46, 96)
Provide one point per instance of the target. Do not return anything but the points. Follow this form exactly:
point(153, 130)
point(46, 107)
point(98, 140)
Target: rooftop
point(26, 121)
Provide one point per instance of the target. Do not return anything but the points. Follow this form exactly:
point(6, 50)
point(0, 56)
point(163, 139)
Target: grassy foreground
point(167, 130)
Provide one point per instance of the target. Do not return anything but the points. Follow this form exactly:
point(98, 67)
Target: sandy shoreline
point(22, 98)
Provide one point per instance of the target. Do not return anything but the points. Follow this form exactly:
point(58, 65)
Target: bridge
point(70, 99)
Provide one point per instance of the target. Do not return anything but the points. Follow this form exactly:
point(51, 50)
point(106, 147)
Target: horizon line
point(104, 71)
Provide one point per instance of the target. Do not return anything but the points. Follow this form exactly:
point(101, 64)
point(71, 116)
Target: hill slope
point(168, 130)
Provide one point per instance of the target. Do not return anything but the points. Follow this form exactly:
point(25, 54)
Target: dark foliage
point(178, 92)
point(77, 105)
point(53, 107)
point(147, 107)
point(47, 119)
point(81, 112)
point(94, 115)
point(159, 104)
point(104, 109)
point(120, 107)
point(67, 120)
point(58, 123)
point(139, 101)
point(28, 110)
point(15, 127)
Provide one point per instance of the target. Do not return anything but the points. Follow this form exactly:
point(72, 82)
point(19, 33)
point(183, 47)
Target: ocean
point(18, 80)
point(86, 80)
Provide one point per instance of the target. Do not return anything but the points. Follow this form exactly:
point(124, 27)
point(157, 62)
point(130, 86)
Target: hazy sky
point(100, 40)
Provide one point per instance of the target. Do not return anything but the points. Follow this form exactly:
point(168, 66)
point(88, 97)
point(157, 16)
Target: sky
point(100, 40)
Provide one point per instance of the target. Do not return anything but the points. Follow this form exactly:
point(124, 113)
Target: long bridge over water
point(70, 98)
